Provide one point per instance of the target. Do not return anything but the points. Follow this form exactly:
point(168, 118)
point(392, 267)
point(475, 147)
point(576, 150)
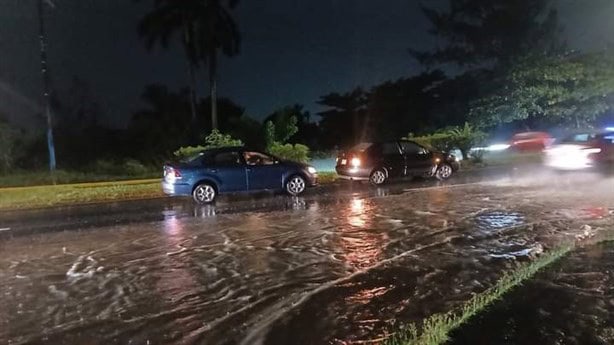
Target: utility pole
point(45, 75)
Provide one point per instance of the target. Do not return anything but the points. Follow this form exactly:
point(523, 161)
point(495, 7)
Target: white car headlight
point(312, 170)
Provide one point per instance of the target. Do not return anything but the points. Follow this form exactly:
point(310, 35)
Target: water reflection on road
point(316, 269)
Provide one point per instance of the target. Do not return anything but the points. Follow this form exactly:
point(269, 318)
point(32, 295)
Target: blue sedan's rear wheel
point(295, 185)
point(204, 193)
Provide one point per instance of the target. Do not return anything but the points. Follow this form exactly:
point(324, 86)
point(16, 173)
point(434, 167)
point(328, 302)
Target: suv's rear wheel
point(204, 193)
point(444, 172)
point(378, 177)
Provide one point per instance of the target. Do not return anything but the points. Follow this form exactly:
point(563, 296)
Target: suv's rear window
point(361, 147)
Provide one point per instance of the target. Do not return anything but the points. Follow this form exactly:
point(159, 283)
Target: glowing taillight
point(355, 162)
point(171, 174)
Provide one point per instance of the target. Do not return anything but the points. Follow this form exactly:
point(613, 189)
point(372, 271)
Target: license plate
point(344, 161)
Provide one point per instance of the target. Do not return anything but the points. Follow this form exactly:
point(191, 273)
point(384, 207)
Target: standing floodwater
point(330, 268)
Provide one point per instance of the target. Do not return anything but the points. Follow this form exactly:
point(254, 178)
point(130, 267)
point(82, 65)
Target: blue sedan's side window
point(257, 158)
point(227, 159)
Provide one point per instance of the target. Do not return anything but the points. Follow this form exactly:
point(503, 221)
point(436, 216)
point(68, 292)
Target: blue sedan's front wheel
point(295, 185)
point(204, 193)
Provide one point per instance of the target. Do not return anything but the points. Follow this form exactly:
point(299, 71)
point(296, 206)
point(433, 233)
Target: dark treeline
point(500, 64)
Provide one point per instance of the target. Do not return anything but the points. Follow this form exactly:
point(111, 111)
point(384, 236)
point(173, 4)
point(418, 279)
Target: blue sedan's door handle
point(213, 170)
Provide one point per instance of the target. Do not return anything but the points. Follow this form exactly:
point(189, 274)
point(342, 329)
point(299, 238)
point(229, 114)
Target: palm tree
point(206, 26)
point(216, 31)
point(167, 18)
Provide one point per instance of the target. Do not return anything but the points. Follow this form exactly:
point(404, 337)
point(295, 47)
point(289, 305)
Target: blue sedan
point(234, 169)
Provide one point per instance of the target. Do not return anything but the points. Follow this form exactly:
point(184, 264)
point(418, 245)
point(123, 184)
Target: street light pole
point(45, 75)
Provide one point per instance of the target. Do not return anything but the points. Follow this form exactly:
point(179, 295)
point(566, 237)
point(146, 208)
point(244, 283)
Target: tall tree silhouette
point(489, 32)
point(166, 19)
point(205, 27)
point(217, 31)
point(344, 121)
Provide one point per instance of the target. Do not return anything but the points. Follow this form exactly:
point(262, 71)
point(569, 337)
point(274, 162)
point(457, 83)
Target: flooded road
point(343, 265)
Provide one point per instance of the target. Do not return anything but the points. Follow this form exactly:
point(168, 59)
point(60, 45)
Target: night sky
point(292, 51)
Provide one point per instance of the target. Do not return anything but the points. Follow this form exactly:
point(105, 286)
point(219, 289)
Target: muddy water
point(570, 303)
point(348, 269)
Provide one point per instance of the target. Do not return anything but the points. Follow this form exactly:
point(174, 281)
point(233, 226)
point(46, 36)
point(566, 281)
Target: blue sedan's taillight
point(171, 174)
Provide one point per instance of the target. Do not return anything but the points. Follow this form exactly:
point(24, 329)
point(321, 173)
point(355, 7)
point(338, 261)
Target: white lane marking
point(5, 229)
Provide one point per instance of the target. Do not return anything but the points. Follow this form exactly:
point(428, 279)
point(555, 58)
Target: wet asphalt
point(346, 263)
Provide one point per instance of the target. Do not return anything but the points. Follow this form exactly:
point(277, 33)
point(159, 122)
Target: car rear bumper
point(354, 174)
point(176, 189)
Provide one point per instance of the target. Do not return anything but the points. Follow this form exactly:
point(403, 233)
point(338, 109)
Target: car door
point(392, 159)
point(418, 160)
point(229, 169)
point(263, 171)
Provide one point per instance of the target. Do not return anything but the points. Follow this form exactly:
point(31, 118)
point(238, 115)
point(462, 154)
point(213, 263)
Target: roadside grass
point(82, 193)
point(14, 198)
point(435, 329)
point(41, 178)
point(327, 177)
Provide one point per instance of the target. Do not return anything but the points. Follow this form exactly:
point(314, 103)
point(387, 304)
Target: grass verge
point(82, 193)
point(435, 329)
point(42, 178)
point(14, 198)
point(327, 177)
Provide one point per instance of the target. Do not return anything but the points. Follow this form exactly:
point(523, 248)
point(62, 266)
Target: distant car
point(378, 162)
point(531, 141)
point(582, 151)
point(234, 169)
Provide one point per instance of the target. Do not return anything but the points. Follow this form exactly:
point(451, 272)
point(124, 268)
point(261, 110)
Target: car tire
point(378, 177)
point(296, 185)
point(444, 172)
point(204, 193)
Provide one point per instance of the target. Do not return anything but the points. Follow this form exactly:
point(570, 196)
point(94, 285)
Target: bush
point(296, 152)
point(107, 167)
point(188, 151)
point(324, 154)
point(9, 142)
point(461, 138)
point(440, 141)
point(134, 168)
point(466, 137)
point(215, 139)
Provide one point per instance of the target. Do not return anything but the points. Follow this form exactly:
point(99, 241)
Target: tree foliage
point(164, 123)
point(9, 141)
point(570, 89)
point(491, 32)
point(292, 152)
point(462, 138)
point(388, 110)
point(204, 27)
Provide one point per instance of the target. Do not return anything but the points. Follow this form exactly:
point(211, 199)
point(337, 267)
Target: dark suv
point(378, 162)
